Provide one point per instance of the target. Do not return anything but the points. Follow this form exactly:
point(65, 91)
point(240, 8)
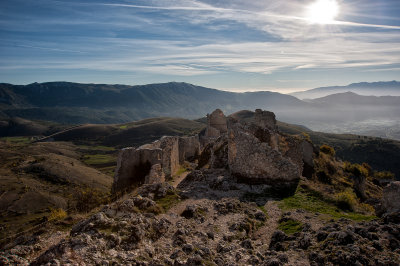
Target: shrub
point(327, 150)
point(88, 198)
point(384, 175)
point(306, 136)
point(57, 214)
point(356, 169)
point(346, 200)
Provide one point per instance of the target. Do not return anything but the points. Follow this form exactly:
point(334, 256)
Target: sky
point(236, 45)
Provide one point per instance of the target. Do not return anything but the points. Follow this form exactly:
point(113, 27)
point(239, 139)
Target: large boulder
point(255, 162)
point(391, 197)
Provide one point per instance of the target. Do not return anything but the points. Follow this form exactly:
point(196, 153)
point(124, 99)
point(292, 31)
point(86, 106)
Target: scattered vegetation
point(180, 171)
point(356, 169)
point(89, 198)
point(346, 200)
point(98, 159)
point(314, 201)
point(57, 214)
point(97, 148)
point(327, 150)
point(16, 140)
point(262, 208)
point(170, 200)
point(384, 175)
point(290, 226)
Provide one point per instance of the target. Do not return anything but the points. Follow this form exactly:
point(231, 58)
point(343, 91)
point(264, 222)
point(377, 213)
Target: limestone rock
point(391, 197)
point(252, 161)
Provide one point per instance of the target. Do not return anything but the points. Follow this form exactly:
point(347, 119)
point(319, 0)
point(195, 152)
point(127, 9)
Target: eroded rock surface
point(255, 162)
point(391, 197)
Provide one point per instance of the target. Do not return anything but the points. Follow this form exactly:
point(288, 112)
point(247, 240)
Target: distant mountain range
point(75, 103)
point(98, 103)
point(364, 88)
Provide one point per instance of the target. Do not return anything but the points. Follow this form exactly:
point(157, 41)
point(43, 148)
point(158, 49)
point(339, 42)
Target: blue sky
point(236, 45)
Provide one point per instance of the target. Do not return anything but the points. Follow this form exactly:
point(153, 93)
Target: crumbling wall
point(265, 119)
point(189, 148)
point(170, 155)
point(134, 165)
point(216, 124)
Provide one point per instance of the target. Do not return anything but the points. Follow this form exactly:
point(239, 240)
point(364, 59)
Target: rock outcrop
point(391, 197)
point(255, 162)
point(254, 151)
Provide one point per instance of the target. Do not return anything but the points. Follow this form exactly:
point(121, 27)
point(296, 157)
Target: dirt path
point(179, 179)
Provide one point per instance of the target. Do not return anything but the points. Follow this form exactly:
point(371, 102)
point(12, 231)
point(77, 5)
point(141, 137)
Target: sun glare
point(323, 11)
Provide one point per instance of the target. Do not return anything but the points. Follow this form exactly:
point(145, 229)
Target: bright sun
point(323, 11)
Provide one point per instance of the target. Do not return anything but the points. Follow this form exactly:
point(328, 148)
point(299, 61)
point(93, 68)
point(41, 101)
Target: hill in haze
point(362, 88)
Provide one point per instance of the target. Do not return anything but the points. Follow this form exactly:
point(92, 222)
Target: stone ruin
point(155, 162)
point(253, 152)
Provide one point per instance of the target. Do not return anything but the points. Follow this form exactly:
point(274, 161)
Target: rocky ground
point(209, 221)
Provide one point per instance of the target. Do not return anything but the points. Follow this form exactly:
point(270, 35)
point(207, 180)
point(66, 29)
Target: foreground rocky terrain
point(251, 196)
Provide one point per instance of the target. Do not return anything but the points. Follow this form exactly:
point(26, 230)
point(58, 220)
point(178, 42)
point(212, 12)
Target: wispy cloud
point(189, 38)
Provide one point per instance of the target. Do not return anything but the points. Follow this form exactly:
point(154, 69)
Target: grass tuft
point(290, 226)
point(170, 200)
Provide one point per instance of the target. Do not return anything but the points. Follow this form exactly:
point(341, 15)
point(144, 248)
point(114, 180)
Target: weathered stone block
point(255, 162)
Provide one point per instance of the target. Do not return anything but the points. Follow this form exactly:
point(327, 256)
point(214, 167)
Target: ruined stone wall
point(170, 155)
point(216, 124)
point(134, 165)
point(189, 148)
point(265, 119)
